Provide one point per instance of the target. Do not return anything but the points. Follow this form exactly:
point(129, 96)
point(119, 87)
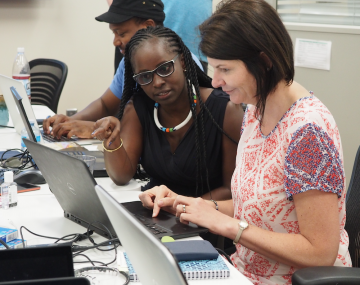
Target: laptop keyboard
point(50, 138)
point(154, 228)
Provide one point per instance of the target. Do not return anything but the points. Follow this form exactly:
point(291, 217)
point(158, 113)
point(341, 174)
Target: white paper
point(312, 53)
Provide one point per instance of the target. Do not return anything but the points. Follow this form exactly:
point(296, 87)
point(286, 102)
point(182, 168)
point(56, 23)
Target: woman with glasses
point(185, 131)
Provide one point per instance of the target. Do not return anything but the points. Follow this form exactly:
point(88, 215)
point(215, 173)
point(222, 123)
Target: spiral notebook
point(192, 270)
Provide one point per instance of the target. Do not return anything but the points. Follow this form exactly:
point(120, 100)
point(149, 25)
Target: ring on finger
point(184, 209)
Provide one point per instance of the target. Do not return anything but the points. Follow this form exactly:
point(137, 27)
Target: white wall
point(65, 30)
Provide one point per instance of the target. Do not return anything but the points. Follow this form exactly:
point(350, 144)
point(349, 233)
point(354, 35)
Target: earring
point(184, 70)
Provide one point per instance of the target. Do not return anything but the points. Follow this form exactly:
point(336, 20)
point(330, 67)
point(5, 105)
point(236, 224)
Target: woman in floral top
point(288, 189)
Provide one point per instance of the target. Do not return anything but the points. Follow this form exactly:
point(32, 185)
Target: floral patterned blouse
point(302, 152)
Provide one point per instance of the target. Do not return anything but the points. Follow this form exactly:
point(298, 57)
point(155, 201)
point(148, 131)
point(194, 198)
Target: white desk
point(40, 212)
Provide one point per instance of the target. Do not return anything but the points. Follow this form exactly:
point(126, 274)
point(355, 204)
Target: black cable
point(77, 237)
point(220, 251)
point(104, 243)
point(3, 126)
point(91, 261)
point(4, 244)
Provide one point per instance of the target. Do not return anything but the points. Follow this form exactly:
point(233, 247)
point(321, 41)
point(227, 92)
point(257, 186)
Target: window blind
point(335, 12)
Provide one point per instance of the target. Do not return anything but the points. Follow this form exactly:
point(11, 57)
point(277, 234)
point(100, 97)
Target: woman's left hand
point(197, 210)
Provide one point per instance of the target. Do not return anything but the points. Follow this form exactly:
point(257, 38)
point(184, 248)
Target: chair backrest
point(352, 225)
point(47, 79)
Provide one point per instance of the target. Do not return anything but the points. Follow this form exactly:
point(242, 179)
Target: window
point(334, 12)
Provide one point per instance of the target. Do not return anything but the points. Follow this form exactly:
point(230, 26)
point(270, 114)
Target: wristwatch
point(242, 226)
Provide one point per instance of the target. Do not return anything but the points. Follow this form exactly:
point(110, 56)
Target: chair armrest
point(326, 275)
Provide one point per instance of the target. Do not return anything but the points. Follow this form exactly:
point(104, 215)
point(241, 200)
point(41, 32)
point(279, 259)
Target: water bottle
point(5, 194)
point(24, 134)
point(9, 178)
point(21, 70)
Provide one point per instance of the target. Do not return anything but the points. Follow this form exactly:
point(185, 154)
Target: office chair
point(341, 275)
point(47, 79)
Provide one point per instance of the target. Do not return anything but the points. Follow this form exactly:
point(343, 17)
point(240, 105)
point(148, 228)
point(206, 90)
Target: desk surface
point(40, 212)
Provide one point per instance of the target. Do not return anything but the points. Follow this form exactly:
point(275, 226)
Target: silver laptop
point(5, 85)
point(153, 263)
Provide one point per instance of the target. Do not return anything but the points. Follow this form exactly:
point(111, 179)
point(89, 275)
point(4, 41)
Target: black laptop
point(73, 186)
point(99, 167)
point(38, 262)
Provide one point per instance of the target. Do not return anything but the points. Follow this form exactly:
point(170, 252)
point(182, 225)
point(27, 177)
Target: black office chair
point(341, 275)
point(47, 79)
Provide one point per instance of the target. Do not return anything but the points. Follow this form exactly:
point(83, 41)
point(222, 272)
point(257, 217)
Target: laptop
point(99, 167)
point(73, 186)
point(36, 263)
point(152, 261)
point(5, 84)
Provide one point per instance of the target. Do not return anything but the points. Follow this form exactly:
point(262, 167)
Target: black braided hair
point(195, 77)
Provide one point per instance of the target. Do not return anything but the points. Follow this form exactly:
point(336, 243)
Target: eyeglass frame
point(154, 70)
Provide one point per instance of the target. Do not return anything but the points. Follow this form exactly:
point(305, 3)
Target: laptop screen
point(19, 104)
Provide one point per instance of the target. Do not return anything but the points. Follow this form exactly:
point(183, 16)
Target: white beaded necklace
point(170, 130)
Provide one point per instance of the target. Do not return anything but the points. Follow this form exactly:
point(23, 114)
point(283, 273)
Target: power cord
point(4, 244)
point(71, 238)
point(19, 161)
point(223, 253)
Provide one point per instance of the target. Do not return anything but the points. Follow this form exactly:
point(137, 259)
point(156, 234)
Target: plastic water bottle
point(5, 194)
point(9, 178)
point(24, 134)
point(21, 70)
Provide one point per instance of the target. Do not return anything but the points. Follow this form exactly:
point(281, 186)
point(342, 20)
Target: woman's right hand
point(159, 197)
point(107, 129)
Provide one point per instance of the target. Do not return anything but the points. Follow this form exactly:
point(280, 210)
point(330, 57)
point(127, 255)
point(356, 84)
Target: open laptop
point(73, 186)
point(99, 167)
point(5, 84)
point(152, 261)
point(38, 262)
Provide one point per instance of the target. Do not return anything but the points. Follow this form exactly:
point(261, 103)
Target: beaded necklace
point(170, 130)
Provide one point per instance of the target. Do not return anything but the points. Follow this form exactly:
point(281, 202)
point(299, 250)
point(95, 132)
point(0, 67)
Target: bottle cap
point(21, 49)
point(8, 176)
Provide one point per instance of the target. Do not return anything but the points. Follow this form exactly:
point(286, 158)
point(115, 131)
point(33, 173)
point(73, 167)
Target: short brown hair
point(242, 30)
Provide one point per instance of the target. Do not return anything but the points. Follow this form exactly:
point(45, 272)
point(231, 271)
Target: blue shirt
point(184, 16)
point(117, 85)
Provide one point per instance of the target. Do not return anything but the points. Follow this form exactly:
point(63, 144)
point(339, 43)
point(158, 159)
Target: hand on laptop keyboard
point(65, 126)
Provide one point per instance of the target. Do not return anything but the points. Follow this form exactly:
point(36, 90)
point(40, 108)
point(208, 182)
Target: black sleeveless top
point(178, 170)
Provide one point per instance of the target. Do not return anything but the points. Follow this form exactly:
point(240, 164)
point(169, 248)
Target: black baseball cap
point(123, 10)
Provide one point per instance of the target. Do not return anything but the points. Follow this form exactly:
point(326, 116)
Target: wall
point(65, 30)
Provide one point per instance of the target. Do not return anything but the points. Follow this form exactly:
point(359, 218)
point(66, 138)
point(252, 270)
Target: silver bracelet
point(216, 205)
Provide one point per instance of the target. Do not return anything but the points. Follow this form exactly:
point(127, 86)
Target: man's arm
point(81, 124)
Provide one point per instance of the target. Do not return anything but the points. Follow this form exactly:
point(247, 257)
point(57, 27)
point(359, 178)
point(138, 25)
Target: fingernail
point(160, 202)
point(110, 143)
point(93, 133)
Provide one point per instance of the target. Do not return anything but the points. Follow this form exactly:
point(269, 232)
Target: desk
point(40, 212)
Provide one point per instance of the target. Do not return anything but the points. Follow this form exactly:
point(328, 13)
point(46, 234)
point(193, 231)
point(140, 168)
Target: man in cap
point(125, 18)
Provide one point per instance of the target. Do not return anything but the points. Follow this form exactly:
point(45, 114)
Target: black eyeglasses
point(163, 70)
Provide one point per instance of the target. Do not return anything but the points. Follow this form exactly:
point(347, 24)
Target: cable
point(3, 126)
point(78, 237)
point(21, 160)
point(4, 244)
point(98, 245)
point(220, 251)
